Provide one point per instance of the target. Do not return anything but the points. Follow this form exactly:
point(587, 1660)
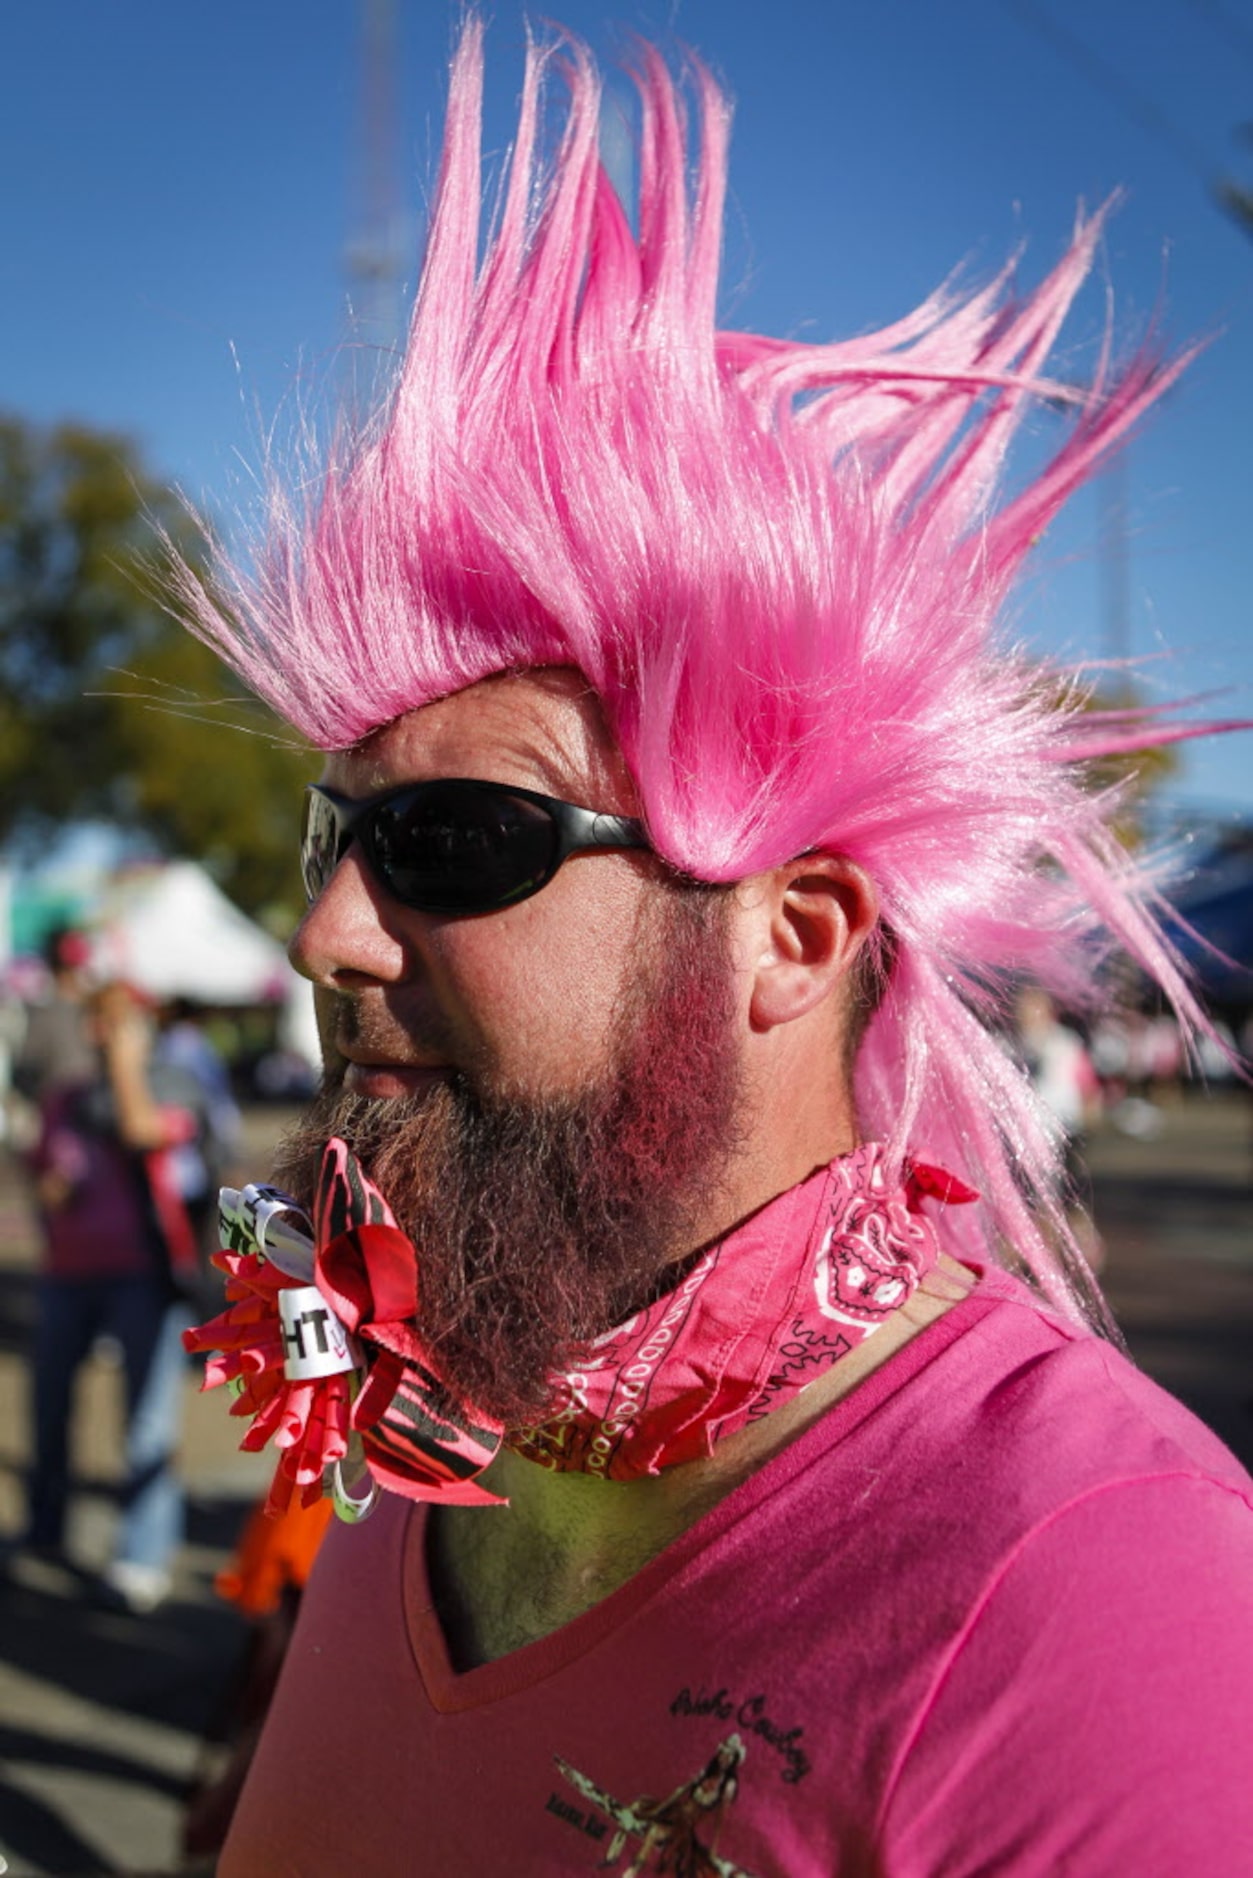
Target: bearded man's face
point(541, 1221)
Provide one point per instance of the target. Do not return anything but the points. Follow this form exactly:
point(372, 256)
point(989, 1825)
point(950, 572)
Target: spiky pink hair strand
point(779, 567)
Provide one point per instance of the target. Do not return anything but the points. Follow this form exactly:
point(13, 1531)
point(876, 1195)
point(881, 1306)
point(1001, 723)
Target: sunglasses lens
point(455, 850)
point(319, 847)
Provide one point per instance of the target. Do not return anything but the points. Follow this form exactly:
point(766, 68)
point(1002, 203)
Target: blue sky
point(183, 182)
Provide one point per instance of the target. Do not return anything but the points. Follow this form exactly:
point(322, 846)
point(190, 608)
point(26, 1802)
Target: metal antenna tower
point(374, 257)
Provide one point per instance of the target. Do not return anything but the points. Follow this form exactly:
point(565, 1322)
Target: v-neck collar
point(451, 1690)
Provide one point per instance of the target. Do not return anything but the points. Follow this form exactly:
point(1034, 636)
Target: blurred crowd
point(123, 1118)
point(1124, 1070)
point(121, 1114)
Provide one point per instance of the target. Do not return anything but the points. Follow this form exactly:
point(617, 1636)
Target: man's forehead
point(541, 729)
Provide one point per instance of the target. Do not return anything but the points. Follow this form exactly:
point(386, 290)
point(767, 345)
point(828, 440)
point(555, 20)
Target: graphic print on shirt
point(671, 1832)
point(754, 1714)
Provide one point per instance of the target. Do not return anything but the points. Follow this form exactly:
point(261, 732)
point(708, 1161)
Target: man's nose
point(352, 934)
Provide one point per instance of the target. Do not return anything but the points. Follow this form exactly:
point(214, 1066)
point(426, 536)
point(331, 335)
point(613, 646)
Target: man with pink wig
point(641, 1269)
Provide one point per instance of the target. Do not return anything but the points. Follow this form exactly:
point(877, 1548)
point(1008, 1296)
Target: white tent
point(171, 932)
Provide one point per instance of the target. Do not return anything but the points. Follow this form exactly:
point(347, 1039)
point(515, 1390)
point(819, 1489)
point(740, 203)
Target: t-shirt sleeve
point(1095, 1718)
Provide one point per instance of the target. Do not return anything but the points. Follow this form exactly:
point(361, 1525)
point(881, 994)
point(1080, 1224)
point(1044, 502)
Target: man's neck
point(506, 1577)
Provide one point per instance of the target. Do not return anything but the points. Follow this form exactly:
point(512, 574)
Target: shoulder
point(1001, 1405)
point(996, 1436)
point(1093, 1712)
point(1083, 1549)
point(1023, 1391)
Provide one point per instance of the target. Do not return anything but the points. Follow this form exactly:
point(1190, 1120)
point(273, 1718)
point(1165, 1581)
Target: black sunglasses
point(455, 846)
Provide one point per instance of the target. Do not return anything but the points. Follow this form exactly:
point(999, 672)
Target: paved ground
point(102, 1716)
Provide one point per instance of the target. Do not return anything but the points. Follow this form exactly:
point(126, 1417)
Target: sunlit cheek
point(539, 984)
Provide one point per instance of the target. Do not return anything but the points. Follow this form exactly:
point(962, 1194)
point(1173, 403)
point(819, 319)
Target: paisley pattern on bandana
point(874, 1249)
point(320, 1341)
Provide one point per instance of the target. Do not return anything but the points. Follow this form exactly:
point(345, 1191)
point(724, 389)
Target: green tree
point(107, 706)
point(1138, 772)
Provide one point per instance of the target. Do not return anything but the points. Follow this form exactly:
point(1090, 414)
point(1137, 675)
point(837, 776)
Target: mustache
point(365, 1023)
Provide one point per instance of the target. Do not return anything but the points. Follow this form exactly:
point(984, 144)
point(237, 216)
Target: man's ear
point(814, 916)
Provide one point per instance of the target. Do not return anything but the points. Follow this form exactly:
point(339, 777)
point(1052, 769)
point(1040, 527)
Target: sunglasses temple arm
point(614, 831)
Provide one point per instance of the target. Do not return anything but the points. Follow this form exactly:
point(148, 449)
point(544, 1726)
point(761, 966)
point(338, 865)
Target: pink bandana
point(319, 1344)
point(764, 1312)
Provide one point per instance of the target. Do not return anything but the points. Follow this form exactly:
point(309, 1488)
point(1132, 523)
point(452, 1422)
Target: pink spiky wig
point(778, 566)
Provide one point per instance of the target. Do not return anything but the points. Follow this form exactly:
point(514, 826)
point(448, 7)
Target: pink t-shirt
point(993, 1613)
point(102, 1228)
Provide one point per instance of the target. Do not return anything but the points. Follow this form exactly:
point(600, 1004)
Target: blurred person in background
point(185, 1059)
point(55, 1048)
point(713, 1499)
point(1060, 1069)
point(119, 1253)
point(1057, 1061)
point(1139, 1057)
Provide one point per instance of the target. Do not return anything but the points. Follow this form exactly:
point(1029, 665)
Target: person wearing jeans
point(116, 1246)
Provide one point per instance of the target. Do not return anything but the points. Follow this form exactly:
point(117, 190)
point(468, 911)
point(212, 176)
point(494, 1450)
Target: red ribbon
point(369, 1277)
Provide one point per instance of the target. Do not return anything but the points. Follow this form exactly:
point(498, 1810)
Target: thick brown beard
point(540, 1224)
